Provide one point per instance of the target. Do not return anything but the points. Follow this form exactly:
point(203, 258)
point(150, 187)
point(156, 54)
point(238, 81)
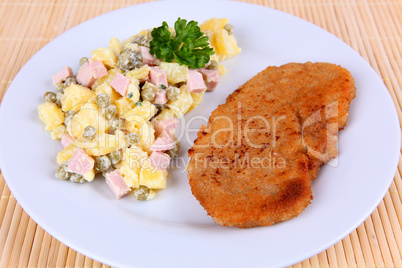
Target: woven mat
point(372, 28)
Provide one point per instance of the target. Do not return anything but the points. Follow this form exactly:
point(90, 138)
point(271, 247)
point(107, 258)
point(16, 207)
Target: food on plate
point(254, 162)
point(118, 114)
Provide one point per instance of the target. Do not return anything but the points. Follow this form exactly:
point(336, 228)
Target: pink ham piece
point(159, 160)
point(163, 143)
point(147, 58)
point(98, 69)
point(165, 127)
point(66, 140)
point(160, 97)
point(158, 77)
point(120, 84)
point(80, 162)
point(84, 76)
point(91, 71)
point(116, 182)
point(211, 78)
point(195, 82)
point(62, 75)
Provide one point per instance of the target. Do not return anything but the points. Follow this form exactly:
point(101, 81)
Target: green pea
point(61, 87)
point(115, 123)
point(141, 40)
point(50, 97)
point(110, 111)
point(148, 91)
point(83, 60)
point(213, 65)
point(77, 178)
point(103, 100)
point(62, 173)
point(141, 193)
point(174, 151)
point(229, 28)
point(173, 93)
point(69, 81)
point(68, 116)
point(129, 60)
point(89, 133)
point(115, 157)
point(133, 138)
point(102, 163)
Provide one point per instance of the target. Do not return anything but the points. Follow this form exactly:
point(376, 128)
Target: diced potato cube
point(130, 166)
point(133, 91)
point(143, 32)
point(146, 111)
point(104, 144)
point(127, 41)
point(139, 73)
point(89, 115)
point(105, 55)
point(197, 99)
point(131, 177)
point(225, 45)
point(132, 46)
point(65, 154)
point(222, 70)
point(165, 114)
point(106, 79)
point(58, 132)
point(153, 178)
point(213, 24)
point(89, 176)
point(105, 88)
point(175, 73)
point(51, 115)
point(75, 96)
point(116, 46)
point(144, 129)
point(124, 105)
point(183, 102)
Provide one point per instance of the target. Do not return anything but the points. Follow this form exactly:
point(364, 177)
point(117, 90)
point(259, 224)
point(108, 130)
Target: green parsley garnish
point(162, 86)
point(189, 46)
point(138, 103)
point(130, 94)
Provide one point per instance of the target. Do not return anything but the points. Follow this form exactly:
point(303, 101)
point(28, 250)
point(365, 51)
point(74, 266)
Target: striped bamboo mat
point(372, 28)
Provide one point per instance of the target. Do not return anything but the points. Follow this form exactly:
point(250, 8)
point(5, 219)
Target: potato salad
point(118, 113)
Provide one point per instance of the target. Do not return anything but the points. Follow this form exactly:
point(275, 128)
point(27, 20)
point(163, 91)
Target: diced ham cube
point(62, 75)
point(167, 126)
point(84, 76)
point(116, 182)
point(98, 69)
point(195, 82)
point(160, 97)
point(163, 143)
point(80, 162)
point(158, 77)
point(120, 84)
point(147, 58)
point(159, 160)
point(211, 78)
point(91, 71)
point(66, 140)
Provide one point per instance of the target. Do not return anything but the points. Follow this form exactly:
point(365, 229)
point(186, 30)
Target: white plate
point(173, 230)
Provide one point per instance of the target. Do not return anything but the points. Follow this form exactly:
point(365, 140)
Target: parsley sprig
point(189, 46)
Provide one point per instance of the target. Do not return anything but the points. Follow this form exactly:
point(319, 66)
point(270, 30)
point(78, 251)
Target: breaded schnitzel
point(254, 162)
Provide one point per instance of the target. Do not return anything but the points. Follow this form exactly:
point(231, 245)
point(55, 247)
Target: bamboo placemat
point(372, 28)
